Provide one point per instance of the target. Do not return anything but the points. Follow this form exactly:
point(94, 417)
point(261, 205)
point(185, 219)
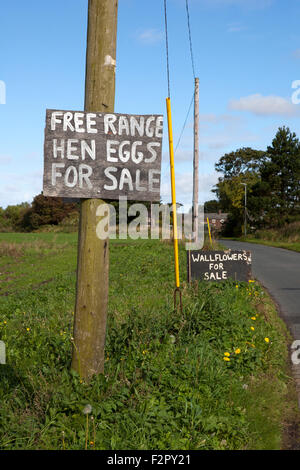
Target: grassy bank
point(211, 377)
point(277, 244)
point(287, 237)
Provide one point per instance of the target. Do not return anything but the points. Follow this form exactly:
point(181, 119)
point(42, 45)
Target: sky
point(246, 55)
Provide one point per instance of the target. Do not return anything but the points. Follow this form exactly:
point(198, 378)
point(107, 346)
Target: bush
point(47, 211)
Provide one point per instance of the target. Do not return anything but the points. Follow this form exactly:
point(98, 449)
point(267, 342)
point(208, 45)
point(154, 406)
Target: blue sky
point(246, 52)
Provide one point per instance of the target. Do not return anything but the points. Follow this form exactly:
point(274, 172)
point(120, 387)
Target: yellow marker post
point(175, 233)
point(209, 231)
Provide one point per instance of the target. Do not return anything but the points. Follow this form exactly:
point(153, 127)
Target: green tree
point(280, 177)
point(47, 211)
point(11, 218)
point(239, 167)
point(243, 160)
point(212, 206)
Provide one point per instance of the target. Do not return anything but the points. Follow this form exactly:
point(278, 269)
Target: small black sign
point(219, 265)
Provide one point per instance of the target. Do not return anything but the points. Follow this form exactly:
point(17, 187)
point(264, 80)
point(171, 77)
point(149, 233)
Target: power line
point(190, 36)
point(168, 65)
point(184, 123)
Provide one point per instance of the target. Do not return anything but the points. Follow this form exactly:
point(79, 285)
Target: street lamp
point(245, 215)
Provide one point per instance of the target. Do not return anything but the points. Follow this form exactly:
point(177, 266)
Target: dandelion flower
point(226, 358)
point(252, 328)
point(227, 354)
point(237, 351)
point(27, 329)
point(267, 340)
point(87, 409)
point(253, 318)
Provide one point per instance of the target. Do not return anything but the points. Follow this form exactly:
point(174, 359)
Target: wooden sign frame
point(102, 155)
point(219, 265)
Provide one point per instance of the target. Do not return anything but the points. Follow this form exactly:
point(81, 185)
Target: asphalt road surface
point(279, 271)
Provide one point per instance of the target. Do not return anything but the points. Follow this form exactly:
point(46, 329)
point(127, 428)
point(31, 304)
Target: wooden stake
point(93, 253)
point(196, 162)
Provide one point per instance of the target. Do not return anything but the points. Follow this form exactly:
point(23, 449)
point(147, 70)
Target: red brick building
point(216, 220)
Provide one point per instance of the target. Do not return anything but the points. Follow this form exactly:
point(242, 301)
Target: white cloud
point(263, 105)
point(150, 36)
point(184, 187)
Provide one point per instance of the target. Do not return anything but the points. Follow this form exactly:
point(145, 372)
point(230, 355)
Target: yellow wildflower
point(27, 329)
point(237, 351)
point(252, 328)
point(226, 359)
point(253, 318)
point(227, 354)
point(267, 340)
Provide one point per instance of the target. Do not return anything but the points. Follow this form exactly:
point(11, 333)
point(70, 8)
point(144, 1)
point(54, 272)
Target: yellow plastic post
point(209, 231)
point(175, 232)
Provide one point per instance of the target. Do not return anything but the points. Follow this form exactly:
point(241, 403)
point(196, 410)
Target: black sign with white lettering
point(219, 265)
point(102, 155)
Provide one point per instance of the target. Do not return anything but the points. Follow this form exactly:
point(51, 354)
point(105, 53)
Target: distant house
point(216, 219)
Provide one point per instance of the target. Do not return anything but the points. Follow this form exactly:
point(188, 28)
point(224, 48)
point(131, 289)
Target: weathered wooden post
point(94, 155)
point(93, 253)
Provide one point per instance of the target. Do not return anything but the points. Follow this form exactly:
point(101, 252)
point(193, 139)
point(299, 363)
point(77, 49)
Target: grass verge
point(278, 244)
point(212, 377)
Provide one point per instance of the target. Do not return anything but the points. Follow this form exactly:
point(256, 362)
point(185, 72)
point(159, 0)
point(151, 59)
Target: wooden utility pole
point(196, 162)
point(93, 253)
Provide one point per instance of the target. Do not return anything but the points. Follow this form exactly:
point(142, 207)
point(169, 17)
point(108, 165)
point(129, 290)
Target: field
point(212, 377)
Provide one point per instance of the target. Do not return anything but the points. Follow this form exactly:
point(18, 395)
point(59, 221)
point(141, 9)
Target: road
point(279, 271)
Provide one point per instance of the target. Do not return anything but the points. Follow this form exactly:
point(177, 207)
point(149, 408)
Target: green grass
point(166, 384)
point(287, 236)
point(278, 244)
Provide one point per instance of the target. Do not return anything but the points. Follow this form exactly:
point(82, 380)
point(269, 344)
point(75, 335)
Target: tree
point(47, 211)
point(212, 206)
point(280, 177)
point(241, 166)
point(238, 168)
point(11, 218)
point(243, 160)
